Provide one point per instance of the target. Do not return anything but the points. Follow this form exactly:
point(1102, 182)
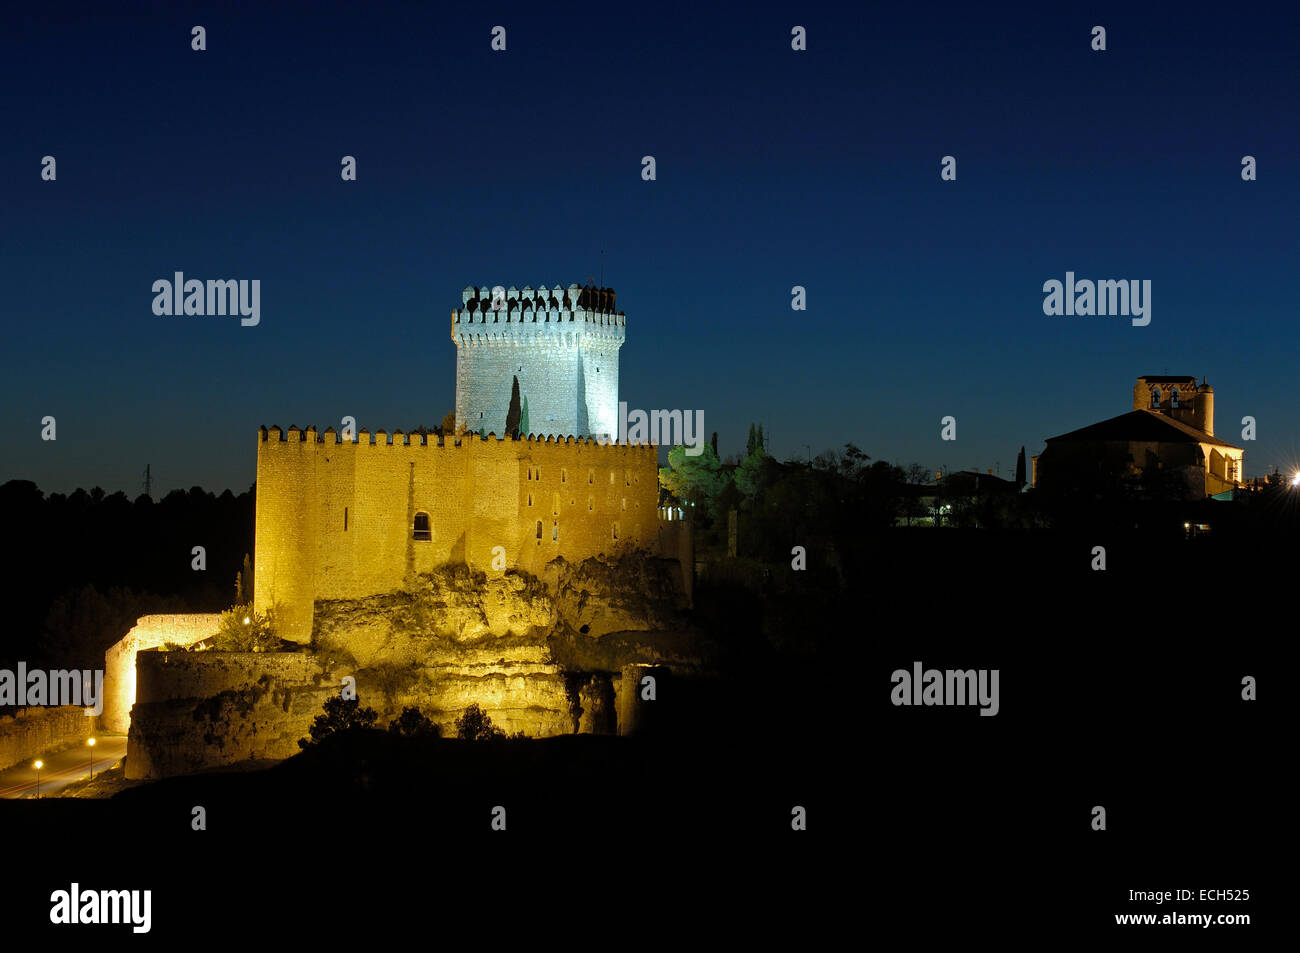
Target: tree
point(749, 475)
point(751, 443)
point(413, 723)
point(241, 629)
point(759, 438)
point(449, 423)
point(243, 581)
point(475, 725)
point(695, 480)
point(512, 415)
point(1020, 469)
point(341, 715)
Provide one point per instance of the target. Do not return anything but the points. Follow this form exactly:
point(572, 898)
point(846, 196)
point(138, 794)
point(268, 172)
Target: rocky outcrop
point(541, 656)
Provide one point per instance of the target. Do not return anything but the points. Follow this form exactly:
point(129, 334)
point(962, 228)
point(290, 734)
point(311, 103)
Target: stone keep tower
point(562, 345)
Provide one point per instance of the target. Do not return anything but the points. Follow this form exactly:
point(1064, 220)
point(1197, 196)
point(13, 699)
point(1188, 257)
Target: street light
point(91, 742)
point(39, 765)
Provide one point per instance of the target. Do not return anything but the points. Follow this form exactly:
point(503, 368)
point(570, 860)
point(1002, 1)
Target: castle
point(1170, 429)
point(562, 347)
point(349, 526)
point(345, 519)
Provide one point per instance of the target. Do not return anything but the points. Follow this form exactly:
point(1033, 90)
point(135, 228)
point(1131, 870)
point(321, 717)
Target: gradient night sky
point(775, 168)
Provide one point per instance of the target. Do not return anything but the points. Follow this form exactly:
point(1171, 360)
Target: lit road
point(61, 767)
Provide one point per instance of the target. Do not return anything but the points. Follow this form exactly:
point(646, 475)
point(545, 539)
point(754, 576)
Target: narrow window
point(345, 519)
point(539, 529)
point(422, 530)
point(1173, 398)
point(1155, 397)
point(555, 505)
point(564, 476)
point(591, 503)
point(616, 531)
point(555, 531)
point(591, 476)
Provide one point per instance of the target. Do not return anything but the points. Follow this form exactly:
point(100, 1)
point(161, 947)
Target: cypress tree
point(1020, 469)
point(512, 415)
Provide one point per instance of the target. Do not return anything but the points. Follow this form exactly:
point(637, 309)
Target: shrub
point(412, 723)
point(341, 715)
point(475, 725)
point(243, 630)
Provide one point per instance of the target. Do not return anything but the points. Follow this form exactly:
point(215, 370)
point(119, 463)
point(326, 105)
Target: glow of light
point(1295, 480)
point(245, 620)
point(39, 765)
point(91, 742)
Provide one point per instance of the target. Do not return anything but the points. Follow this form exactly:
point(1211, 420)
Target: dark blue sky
point(775, 169)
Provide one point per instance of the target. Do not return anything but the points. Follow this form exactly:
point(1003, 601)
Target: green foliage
point(341, 715)
point(243, 630)
point(449, 422)
point(475, 725)
point(750, 475)
point(413, 723)
point(697, 480)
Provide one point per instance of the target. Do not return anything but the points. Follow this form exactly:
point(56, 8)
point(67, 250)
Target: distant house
point(1166, 444)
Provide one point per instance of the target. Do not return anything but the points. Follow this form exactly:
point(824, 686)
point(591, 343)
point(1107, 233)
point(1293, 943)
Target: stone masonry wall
point(335, 519)
point(36, 731)
point(150, 631)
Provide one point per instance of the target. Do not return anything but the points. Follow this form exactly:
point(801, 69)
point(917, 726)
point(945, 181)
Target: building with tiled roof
point(1169, 432)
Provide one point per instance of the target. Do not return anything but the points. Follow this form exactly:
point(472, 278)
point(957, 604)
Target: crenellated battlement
point(575, 298)
point(554, 317)
point(397, 438)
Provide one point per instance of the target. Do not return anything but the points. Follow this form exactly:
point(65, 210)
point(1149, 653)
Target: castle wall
point(150, 631)
point(479, 495)
point(198, 710)
point(548, 377)
point(34, 732)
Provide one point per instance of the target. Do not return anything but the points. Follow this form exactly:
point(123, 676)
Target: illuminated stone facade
point(562, 346)
point(350, 519)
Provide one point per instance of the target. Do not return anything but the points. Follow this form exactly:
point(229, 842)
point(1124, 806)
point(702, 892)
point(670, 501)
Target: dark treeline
point(84, 566)
point(847, 515)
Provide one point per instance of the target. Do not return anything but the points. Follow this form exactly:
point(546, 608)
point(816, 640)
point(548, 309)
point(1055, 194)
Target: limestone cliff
point(542, 656)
